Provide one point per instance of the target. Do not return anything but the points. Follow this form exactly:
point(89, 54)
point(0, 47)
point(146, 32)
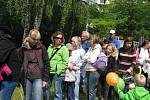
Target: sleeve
point(21, 56)
point(118, 58)
point(15, 64)
point(65, 59)
point(46, 69)
point(114, 64)
point(121, 94)
point(94, 55)
point(133, 59)
point(126, 96)
point(5, 49)
point(81, 61)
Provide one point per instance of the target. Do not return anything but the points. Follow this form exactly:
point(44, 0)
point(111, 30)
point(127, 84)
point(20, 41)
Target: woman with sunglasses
point(58, 56)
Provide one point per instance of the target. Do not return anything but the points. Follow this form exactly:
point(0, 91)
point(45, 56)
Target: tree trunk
point(73, 20)
point(66, 7)
point(39, 14)
point(26, 20)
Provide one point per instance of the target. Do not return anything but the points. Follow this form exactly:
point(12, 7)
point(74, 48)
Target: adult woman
point(35, 65)
point(91, 71)
point(59, 56)
point(111, 53)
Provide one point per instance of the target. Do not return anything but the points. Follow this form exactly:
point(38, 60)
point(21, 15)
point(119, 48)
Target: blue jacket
point(86, 45)
point(117, 43)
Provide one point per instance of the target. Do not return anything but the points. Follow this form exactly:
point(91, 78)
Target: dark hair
point(54, 35)
point(129, 39)
point(106, 41)
point(144, 43)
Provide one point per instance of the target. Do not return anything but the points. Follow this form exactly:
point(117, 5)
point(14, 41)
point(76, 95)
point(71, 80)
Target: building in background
point(98, 1)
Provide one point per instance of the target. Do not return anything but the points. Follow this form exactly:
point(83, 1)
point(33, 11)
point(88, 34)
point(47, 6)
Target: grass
point(18, 94)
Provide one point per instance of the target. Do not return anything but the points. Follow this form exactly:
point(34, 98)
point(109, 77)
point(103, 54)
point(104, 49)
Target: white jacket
point(75, 60)
point(91, 57)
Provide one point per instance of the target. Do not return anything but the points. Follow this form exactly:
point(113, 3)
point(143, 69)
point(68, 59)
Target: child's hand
point(129, 70)
point(70, 66)
point(131, 86)
point(88, 61)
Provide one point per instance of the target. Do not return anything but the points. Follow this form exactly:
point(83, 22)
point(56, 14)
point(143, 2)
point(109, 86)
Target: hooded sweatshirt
point(138, 93)
point(9, 56)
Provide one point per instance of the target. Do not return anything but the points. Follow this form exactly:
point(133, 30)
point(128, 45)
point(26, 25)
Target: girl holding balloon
point(111, 53)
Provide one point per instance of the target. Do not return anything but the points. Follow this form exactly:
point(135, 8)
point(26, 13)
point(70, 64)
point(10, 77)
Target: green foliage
point(135, 13)
point(102, 27)
point(128, 17)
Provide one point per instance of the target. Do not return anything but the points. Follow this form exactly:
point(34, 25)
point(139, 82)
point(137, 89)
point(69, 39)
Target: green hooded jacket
point(137, 93)
point(59, 62)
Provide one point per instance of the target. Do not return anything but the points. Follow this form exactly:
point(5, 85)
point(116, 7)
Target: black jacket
point(10, 56)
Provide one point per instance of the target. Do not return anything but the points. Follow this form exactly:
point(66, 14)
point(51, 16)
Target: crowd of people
point(71, 66)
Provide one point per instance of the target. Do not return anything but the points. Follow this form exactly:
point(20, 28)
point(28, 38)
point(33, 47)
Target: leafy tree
point(133, 15)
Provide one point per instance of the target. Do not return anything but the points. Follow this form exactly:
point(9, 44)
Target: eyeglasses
point(58, 38)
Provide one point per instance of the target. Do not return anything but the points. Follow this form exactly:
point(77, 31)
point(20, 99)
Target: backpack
point(101, 62)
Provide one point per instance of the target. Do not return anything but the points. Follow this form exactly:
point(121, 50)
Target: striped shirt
point(126, 58)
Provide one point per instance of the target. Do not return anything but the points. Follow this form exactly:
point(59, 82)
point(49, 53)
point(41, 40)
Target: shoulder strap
point(138, 53)
point(54, 53)
point(149, 52)
point(139, 50)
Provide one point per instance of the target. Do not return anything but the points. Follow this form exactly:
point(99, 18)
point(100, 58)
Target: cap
point(112, 31)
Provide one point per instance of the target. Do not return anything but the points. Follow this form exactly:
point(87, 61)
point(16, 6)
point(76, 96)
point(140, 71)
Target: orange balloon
point(112, 79)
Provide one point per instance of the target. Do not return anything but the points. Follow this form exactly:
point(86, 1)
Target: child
point(70, 74)
point(137, 93)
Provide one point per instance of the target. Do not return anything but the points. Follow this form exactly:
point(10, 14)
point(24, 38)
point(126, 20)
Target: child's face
point(73, 42)
point(109, 50)
point(128, 44)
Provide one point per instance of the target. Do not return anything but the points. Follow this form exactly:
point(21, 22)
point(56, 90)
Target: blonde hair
point(26, 41)
point(36, 33)
point(139, 80)
point(95, 40)
point(114, 49)
point(77, 41)
point(69, 46)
